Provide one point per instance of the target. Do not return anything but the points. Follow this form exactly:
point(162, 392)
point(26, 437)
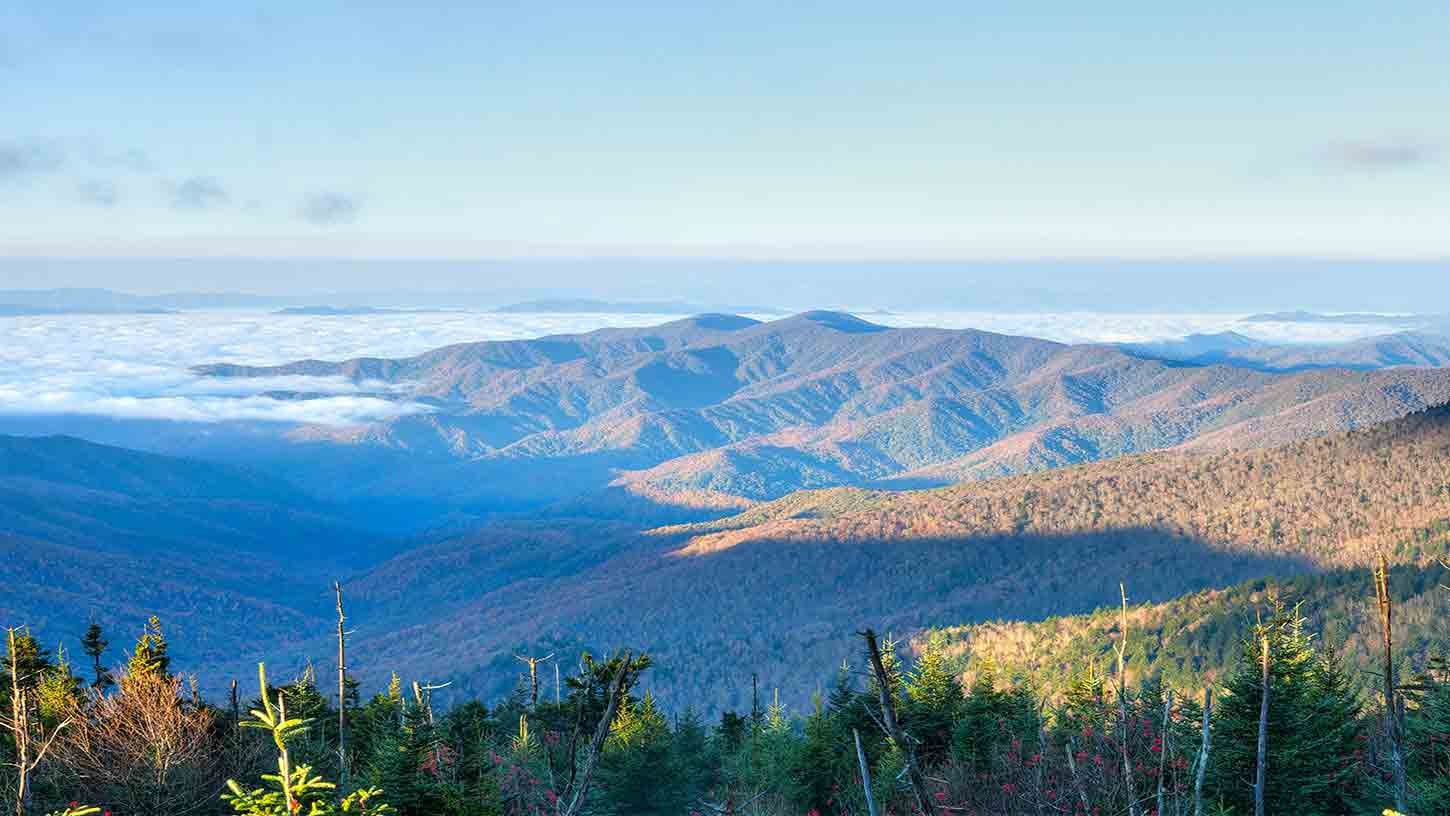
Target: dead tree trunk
point(19, 729)
point(1163, 747)
point(1263, 756)
point(580, 791)
point(1392, 720)
point(341, 693)
point(893, 727)
point(533, 664)
point(1076, 780)
point(32, 741)
point(865, 774)
point(1122, 649)
point(1203, 753)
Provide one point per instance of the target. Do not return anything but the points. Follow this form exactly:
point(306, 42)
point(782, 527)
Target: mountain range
point(721, 411)
point(786, 584)
point(644, 487)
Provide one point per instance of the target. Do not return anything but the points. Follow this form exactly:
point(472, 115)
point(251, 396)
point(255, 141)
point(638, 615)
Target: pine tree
point(94, 643)
point(978, 729)
point(825, 762)
point(1427, 731)
point(933, 699)
point(1312, 728)
point(640, 771)
point(149, 656)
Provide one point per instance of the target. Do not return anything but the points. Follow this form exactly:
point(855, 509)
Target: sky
point(839, 132)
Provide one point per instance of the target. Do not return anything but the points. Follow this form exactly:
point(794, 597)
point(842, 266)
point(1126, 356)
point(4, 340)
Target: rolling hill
point(223, 555)
point(720, 410)
point(785, 584)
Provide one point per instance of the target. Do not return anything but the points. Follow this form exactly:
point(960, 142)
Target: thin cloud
point(134, 160)
point(329, 208)
point(1366, 155)
point(21, 161)
point(198, 193)
point(99, 192)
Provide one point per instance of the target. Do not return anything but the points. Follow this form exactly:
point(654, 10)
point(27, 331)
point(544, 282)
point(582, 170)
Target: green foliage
point(151, 653)
point(933, 698)
point(1312, 730)
point(1427, 732)
point(641, 771)
point(95, 644)
point(311, 795)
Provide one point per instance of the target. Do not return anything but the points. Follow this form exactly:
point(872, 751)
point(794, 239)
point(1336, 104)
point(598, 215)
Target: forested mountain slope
point(1195, 639)
point(783, 585)
point(95, 532)
point(719, 409)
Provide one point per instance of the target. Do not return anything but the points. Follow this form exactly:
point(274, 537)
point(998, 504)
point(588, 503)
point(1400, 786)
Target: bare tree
point(33, 740)
point(892, 726)
point(1392, 720)
point(578, 789)
point(341, 692)
point(1263, 755)
point(1203, 753)
point(533, 664)
point(1076, 780)
point(146, 749)
point(865, 774)
point(1163, 748)
point(1122, 650)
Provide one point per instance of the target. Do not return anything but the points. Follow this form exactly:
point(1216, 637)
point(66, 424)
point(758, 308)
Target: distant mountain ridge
point(721, 408)
point(1400, 349)
point(591, 306)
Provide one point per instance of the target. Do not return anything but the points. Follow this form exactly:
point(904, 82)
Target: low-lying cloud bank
point(139, 366)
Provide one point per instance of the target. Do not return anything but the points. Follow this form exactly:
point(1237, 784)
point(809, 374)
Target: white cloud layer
point(138, 366)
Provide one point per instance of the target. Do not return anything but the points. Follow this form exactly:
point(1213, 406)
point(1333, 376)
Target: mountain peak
point(840, 321)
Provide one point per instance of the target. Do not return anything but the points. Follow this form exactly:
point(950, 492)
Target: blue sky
point(841, 130)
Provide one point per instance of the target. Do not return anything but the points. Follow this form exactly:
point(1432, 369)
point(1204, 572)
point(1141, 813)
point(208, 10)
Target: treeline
point(1193, 641)
point(1283, 731)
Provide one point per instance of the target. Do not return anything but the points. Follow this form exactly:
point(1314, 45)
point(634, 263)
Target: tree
point(32, 738)
point(640, 772)
point(150, 655)
point(293, 790)
point(1312, 724)
point(933, 698)
point(94, 643)
point(145, 749)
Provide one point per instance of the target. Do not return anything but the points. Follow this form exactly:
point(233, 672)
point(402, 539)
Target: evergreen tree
point(150, 655)
point(978, 728)
point(94, 643)
point(640, 771)
point(1312, 728)
point(933, 699)
point(826, 760)
point(1427, 731)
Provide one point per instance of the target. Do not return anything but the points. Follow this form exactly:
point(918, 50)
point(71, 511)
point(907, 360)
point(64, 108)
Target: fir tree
point(94, 643)
point(933, 699)
point(150, 655)
point(1313, 723)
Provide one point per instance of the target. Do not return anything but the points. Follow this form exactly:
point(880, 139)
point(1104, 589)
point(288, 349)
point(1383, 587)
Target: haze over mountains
point(720, 409)
point(650, 485)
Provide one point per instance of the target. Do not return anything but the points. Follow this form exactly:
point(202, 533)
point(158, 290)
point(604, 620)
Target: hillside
point(221, 554)
point(784, 584)
point(716, 410)
point(1196, 638)
point(1401, 349)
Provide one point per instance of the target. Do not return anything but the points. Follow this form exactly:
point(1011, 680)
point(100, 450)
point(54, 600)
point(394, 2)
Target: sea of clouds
point(139, 366)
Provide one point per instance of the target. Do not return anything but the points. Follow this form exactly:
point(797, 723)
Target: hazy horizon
point(1228, 286)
